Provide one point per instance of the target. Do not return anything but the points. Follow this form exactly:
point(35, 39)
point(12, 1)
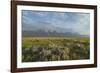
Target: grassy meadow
point(36, 49)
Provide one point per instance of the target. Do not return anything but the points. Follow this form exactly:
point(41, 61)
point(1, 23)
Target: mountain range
point(47, 30)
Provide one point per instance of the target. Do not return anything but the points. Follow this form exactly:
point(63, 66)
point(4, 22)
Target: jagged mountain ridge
point(47, 30)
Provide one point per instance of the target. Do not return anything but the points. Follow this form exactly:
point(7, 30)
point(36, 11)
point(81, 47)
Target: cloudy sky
point(77, 22)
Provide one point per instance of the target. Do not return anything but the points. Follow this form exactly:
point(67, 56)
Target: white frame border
point(53, 63)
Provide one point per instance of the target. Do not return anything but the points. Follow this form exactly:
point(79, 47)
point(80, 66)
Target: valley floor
point(36, 49)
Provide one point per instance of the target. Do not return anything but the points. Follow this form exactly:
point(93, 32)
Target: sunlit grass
point(54, 48)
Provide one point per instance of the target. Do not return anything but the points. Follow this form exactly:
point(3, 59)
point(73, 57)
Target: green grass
point(54, 49)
